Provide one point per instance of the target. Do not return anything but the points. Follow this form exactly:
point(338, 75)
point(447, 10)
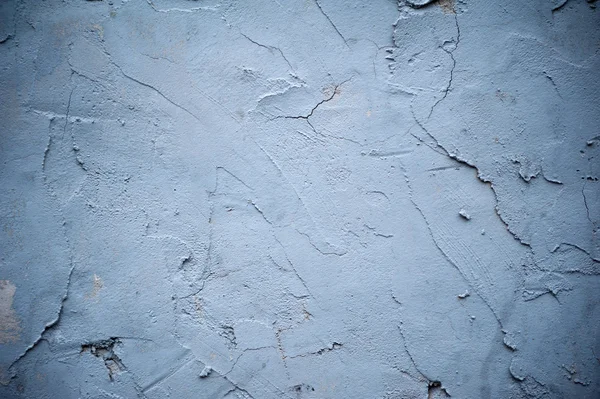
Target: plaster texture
point(299, 199)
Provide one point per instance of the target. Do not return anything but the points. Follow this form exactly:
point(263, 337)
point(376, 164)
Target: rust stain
point(97, 286)
point(100, 29)
point(447, 6)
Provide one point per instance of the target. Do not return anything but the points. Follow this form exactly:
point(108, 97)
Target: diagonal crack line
point(445, 255)
point(412, 360)
point(479, 176)
point(270, 48)
point(235, 362)
point(236, 387)
point(260, 211)
point(332, 24)
point(47, 149)
point(553, 84)
point(454, 156)
point(587, 209)
point(68, 110)
point(313, 127)
point(261, 380)
point(441, 150)
point(293, 267)
point(318, 249)
point(52, 323)
point(451, 54)
point(158, 92)
point(234, 176)
point(171, 372)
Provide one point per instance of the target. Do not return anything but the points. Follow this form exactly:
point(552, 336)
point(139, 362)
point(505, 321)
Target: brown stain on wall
point(98, 284)
point(10, 326)
point(447, 6)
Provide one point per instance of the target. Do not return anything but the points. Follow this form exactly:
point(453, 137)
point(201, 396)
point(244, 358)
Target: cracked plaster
point(317, 199)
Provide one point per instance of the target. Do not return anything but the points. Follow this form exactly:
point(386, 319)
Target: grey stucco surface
point(308, 199)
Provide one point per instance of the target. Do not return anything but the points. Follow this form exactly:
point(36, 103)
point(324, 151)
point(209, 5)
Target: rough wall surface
point(299, 199)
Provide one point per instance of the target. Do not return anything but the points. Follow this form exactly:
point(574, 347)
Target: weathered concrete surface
point(311, 199)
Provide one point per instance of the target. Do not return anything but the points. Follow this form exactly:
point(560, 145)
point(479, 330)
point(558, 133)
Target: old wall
point(299, 199)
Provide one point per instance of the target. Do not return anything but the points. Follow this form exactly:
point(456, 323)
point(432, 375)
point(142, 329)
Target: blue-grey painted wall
point(299, 199)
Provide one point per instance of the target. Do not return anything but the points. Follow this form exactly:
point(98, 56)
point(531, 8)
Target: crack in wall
point(332, 347)
point(451, 54)
point(104, 350)
point(49, 326)
point(462, 161)
point(442, 150)
point(187, 111)
point(331, 23)
point(289, 222)
point(334, 92)
point(270, 48)
point(447, 257)
point(432, 385)
point(54, 322)
point(585, 203)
